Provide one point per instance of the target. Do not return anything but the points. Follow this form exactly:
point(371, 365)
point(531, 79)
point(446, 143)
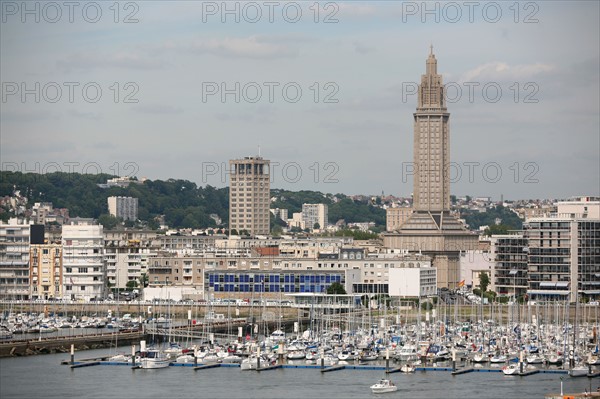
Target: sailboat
point(579, 369)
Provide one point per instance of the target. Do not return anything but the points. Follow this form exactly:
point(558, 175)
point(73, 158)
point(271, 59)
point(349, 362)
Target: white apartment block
point(579, 207)
point(414, 279)
point(509, 266)
point(563, 258)
point(125, 208)
point(280, 213)
point(472, 263)
point(127, 254)
point(83, 261)
point(314, 214)
point(14, 259)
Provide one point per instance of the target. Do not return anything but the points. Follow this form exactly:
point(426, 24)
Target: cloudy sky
point(163, 89)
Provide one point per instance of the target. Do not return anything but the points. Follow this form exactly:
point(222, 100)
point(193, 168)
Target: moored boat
point(511, 369)
point(154, 359)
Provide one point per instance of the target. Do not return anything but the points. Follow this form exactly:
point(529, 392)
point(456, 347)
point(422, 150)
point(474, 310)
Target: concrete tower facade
point(431, 186)
point(431, 229)
point(250, 195)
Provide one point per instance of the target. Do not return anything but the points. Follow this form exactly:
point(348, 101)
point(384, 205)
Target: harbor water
point(44, 377)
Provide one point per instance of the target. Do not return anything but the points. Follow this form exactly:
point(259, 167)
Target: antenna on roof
point(259, 150)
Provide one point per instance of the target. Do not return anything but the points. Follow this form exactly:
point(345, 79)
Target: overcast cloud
point(150, 92)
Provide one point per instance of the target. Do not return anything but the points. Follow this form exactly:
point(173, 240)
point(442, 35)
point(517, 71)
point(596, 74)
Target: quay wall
point(62, 344)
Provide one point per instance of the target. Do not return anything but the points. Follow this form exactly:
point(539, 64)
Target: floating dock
point(276, 366)
point(207, 366)
point(84, 364)
point(463, 371)
point(333, 368)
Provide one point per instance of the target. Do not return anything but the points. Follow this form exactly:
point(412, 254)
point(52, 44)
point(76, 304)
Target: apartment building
point(249, 196)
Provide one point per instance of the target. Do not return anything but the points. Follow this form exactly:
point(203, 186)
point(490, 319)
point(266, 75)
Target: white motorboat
point(384, 386)
point(535, 359)
point(328, 360)
point(407, 368)
point(498, 359)
point(154, 359)
point(186, 358)
point(511, 369)
point(368, 356)
point(579, 371)
point(407, 353)
point(347, 355)
point(296, 355)
point(119, 358)
point(251, 362)
point(231, 358)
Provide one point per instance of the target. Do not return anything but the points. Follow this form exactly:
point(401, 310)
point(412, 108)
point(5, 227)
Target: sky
point(325, 90)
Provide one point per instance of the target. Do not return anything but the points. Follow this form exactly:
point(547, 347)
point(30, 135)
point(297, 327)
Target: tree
point(234, 232)
point(496, 229)
point(132, 284)
point(143, 280)
point(484, 281)
point(336, 289)
point(277, 231)
point(107, 221)
point(109, 285)
point(316, 226)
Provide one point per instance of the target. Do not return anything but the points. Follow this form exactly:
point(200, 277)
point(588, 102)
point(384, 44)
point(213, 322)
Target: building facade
point(432, 229)
point(239, 276)
point(127, 254)
point(125, 208)
point(413, 281)
point(510, 269)
point(313, 214)
point(46, 271)
point(563, 258)
point(395, 217)
point(249, 196)
point(83, 260)
point(14, 259)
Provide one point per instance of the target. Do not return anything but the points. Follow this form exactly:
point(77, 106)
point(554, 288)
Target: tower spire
point(431, 49)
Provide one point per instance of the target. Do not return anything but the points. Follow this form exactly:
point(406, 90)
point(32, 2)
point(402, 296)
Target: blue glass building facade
point(271, 281)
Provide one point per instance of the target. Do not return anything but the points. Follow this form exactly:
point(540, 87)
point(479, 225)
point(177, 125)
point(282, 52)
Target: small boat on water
point(252, 362)
point(296, 355)
point(500, 358)
point(511, 369)
point(369, 356)
point(154, 359)
point(480, 358)
point(579, 371)
point(535, 359)
point(407, 368)
point(555, 359)
point(384, 386)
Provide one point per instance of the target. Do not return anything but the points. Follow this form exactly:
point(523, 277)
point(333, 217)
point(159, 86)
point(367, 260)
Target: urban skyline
point(357, 145)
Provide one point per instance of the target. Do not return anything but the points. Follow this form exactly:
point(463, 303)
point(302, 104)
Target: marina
point(521, 351)
point(25, 377)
